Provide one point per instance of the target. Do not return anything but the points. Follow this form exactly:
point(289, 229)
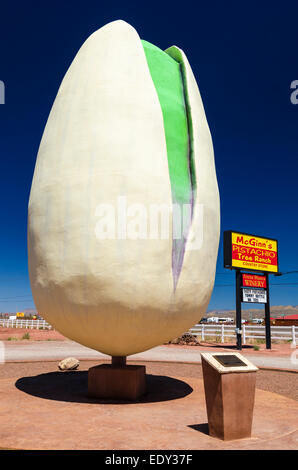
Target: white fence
point(32, 324)
point(283, 333)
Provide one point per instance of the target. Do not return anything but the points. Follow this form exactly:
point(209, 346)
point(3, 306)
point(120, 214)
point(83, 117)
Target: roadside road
point(58, 350)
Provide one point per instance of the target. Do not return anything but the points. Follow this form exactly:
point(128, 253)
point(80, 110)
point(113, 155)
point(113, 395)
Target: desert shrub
point(186, 338)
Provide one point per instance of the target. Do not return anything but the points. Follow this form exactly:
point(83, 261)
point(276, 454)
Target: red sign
point(253, 280)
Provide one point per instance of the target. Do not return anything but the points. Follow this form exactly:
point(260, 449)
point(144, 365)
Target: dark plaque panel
point(229, 360)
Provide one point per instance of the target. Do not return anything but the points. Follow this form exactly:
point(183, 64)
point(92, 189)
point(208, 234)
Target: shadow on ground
point(203, 427)
point(72, 386)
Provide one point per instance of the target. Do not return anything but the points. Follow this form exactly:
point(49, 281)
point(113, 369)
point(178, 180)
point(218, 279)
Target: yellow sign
point(20, 314)
point(251, 252)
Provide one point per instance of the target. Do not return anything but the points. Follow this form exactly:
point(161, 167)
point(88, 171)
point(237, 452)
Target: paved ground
point(43, 408)
point(45, 350)
point(283, 383)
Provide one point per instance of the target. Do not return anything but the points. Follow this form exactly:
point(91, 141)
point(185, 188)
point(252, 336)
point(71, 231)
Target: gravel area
point(283, 383)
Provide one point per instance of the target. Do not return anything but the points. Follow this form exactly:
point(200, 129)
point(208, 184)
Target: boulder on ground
point(70, 363)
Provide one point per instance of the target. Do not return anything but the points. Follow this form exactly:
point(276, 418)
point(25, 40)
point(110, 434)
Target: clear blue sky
point(244, 56)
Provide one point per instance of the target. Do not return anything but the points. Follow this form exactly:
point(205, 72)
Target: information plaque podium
point(229, 382)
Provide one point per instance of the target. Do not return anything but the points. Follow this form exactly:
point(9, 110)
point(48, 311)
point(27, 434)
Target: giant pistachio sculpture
point(127, 125)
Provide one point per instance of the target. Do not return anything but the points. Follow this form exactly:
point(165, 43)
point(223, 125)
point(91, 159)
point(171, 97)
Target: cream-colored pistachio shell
point(105, 138)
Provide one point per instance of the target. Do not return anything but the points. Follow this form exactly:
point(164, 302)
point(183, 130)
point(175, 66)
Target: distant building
point(288, 320)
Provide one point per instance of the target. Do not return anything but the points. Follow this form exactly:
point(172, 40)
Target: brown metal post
point(118, 361)
point(238, 310)
point(267, 316)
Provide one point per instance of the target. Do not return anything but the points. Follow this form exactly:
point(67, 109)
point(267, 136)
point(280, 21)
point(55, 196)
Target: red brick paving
point(43, 408)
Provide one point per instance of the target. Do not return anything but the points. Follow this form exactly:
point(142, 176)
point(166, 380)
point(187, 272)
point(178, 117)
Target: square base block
point(117, 382)
point(229, 402)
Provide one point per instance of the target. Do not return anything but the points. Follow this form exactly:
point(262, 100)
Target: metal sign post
point(238, 310)
point(259, 296)
point(267, 316)
point(251, 253)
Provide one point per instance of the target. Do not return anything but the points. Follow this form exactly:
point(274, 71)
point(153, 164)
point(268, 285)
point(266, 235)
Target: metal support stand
point(267, 316)
point(118, 361)
point(238, 310)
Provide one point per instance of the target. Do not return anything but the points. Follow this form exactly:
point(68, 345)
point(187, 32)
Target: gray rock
point(70, 363)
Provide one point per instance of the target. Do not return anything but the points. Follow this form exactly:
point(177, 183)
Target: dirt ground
point(283, 383)
point(13, 334)
point(277, 349)
point(34, 335)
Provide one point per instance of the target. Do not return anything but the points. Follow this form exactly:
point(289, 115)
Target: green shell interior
point(167, 77)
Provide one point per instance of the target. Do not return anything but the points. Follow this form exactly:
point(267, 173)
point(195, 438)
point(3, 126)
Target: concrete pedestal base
point(229, 401)
point(117, 382)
